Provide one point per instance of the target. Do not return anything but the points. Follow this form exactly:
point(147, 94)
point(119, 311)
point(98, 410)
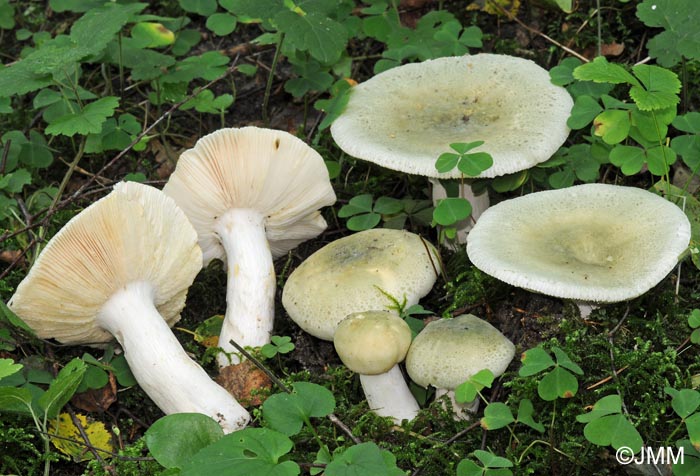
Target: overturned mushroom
point(405, 117)
point(593, 243)
point(252, 194)
point(121, 269)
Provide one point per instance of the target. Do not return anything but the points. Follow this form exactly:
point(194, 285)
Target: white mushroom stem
point(250, 290)
point(479, 205)
point(461, 411)
point(162, 368)
point(388, 395)
point(586, 308)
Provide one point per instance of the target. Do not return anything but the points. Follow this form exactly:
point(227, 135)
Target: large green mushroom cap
point(594, 242)
point(449, 351)
point(356, 273)
point(405, 117)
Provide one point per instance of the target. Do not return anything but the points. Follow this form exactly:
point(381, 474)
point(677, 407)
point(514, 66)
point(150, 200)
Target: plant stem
point(270, 78)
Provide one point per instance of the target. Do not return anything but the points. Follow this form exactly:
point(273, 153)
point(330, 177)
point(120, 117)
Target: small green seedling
point(364, 213)
point(498, 415)
point(607, 426)
point(470, 164)
point(278, 345)
point(560, 382)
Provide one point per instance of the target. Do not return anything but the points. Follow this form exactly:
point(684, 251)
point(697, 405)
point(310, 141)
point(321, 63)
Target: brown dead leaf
point(612, 49)
point(246, 382)
point(97, 399)
point(10, 256)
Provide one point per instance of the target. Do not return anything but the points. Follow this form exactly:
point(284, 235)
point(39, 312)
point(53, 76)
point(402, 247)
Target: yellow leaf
point(66, 437)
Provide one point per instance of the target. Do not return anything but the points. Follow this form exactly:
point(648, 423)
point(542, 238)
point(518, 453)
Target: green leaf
point(496, 415)
point(612, 125)
point(62, 388)
point(564, 361)
point(614, 430)
point(87, 121)
point(584, 111)
point(321, 36)
point(490, 460)
point(15, 399)
point(287, 412)
point(99, 26)
point(357, 204)
point(7, 15)
point(661, 88)
point(679, 19)
point(333, 107)
point(362, 460)
point(451, 210)
point(221, 24)
point(35, 153)
point(692, 424)
point(201, 7)
point(208, 66)
point(688, 122)
point(472, 165)
point(174, 439)
point(694, 318)
point(467, 391)
point(446, 162)
point(388, 205)
point(559, 383)
point(600, 71)
point(78, 6)
point(607, 405)
point(8, 367)
point(562, 74)
point(525, 412)
point(7, 315)
point(684, 402)
point(535, 361)
point(248, 452)
point(151, 35)
point(15, 181)
point(629, 158)
point(660, 159)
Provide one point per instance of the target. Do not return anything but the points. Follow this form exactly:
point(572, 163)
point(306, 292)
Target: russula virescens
point(406, 117)
point(121, 268)
point(449, 351)
point(372, 344)
point(252, 194)
point(590, 243)
point(356, 273)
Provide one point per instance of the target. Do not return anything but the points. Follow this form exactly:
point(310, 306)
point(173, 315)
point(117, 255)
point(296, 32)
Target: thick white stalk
point(586, 308)
point(250, 289)
point(479, 205)
point(461, 411)
point(388, 395)
point(164, 371)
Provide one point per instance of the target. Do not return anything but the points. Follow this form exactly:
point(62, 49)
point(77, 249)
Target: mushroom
point(357, 273)
point(449, 351)
point(406, 117)
point(121, 268)
point(593, 243)
point(252, 195)
point(372, 344)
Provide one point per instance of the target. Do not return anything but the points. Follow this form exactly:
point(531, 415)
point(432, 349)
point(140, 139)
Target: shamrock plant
point(560, 382)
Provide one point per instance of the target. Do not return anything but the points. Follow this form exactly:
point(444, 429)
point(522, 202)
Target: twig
point(336, 421)
point(5, 153)
point(88, 443)
point(611, 336)
point(537, 32)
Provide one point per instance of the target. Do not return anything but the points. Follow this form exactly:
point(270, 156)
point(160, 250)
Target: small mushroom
point(358, 273)
point(405, 117)
point(121, 268)
point(449, 351)
point(372, 344)
point(252, 195)
point(593, 243)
